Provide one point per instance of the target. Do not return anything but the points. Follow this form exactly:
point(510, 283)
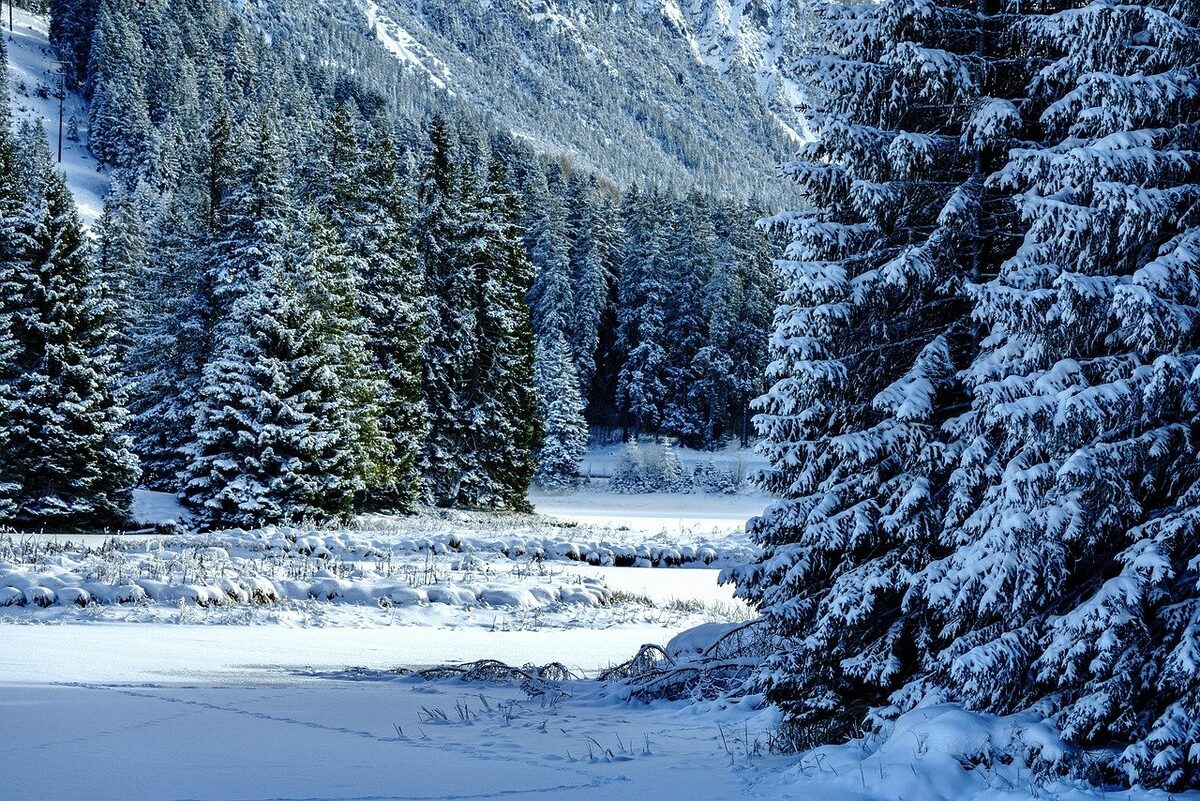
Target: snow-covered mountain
point(684, 92)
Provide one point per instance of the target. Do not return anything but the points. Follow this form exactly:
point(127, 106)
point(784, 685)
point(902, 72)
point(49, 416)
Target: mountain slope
point(34, 85)
point(638, 91)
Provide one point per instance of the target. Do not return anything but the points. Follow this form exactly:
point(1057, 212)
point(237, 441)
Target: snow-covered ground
point(196, 689)
point(34, 81)
point(250, 698)
point(154, 712)
point(673, 515)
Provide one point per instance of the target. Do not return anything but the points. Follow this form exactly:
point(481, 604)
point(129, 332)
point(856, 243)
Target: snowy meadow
point(244, 654)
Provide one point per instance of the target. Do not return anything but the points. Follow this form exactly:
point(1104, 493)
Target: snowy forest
point(357, 327)
point(299, 305)
point(983, 418)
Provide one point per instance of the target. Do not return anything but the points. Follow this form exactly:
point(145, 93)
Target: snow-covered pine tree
point(551, 300)
point(71, 26)
point(279, 437)
point(755, 303)
point(175, 340)
point(642, 311)
point(1071, 578)
point(64, 461)
point(564, 429)
point(711, 392)
point(501, 410)
point(368, 205)
point(864, 352)
point(119, 127)
point(449, 345)
point(121, 255)
point(592, 278)
point(689, 261)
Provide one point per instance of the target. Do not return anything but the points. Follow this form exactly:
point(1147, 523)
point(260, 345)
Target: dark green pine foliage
point(64, 461)
point(691, 261)
point(71, 26)
point(449, 347)
point(712, 389)
point(863, 370)
point(280, 436)
point(369, 207)
point(551, 299)
point(642, 309)
point(479, 354)
point(555, 318)
point(1071, 577)
point(176, 335)
point(564, 428)
point(119, 126)
point(123, 264)
point(592, 257)
point(503, 414)
point(756, 290)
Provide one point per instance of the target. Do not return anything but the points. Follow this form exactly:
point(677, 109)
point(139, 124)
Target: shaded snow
point(273, 734)
point(152, 508)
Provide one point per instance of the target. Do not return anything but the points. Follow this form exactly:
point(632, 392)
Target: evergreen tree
point(642, 312)
point(187, 247)
point(592, 241)
point(368, 204)
point(1019, 533)
point(119, 127)
point(714, 380)
point(284, 430)
point(863, 353)
point(449, 346)
point(564, 429)
point(550, 299)
point(501, 413)
point(756, 293)
point(688, 268)
point(63, 459)
point(1071, 518)
point(71, 25)
point(122, 263)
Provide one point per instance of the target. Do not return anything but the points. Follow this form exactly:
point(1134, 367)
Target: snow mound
point(946, 753)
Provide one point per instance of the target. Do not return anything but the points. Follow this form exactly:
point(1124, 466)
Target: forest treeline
point(307, 305)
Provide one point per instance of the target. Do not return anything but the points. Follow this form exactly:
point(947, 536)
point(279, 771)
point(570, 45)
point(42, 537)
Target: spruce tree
point(284, 429)
point(689, 263)
point(592, 242)
point(550, 299)
point(564, 429)
point(64, 461)
point(642, 309)
point(123, 264)
point(501, 414)
point(368, 206)
point(449, 346)
point(119, 127)
point(186, 246)
point(863, 353)
point(1071, 517)
point(1000, 513)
